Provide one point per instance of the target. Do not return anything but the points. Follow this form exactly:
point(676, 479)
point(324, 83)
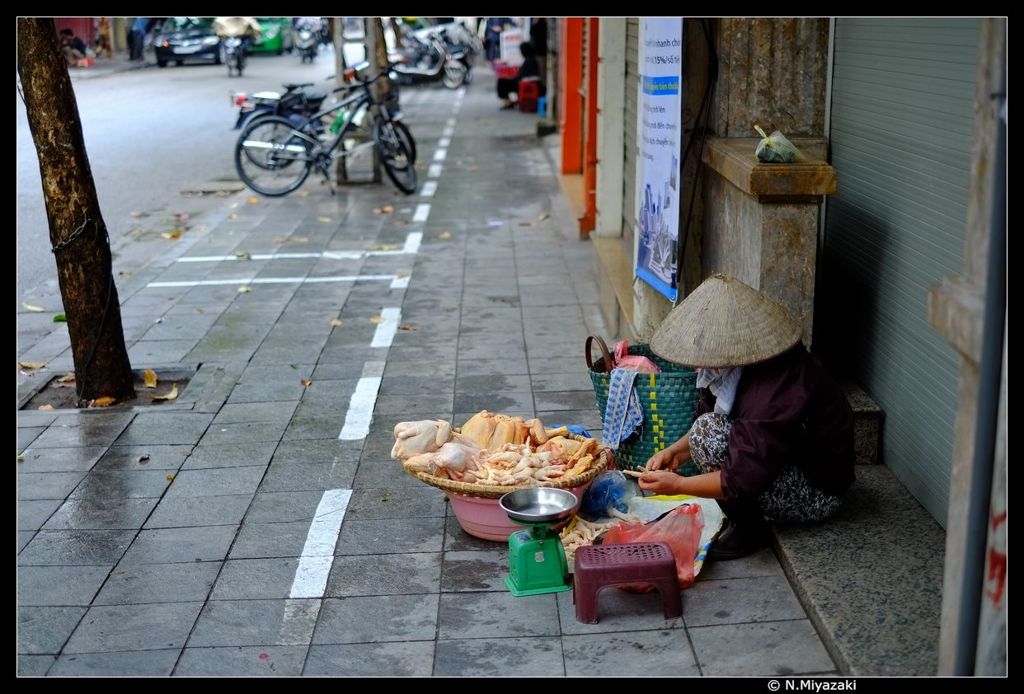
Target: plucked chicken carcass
point(452, 460)
point(493, 431)
point(416, 438)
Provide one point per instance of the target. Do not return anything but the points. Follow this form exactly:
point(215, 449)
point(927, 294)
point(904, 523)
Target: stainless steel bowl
point(539, 505)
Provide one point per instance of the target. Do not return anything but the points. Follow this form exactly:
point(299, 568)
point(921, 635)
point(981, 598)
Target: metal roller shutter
point(901, 123)
point(629, 126)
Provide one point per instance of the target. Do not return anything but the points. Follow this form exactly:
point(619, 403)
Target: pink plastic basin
point(483, 518)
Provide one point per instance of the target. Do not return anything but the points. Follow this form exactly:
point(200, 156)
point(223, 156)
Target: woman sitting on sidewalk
point(774, 432)
point(529, 69)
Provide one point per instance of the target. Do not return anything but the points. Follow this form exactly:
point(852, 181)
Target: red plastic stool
point(598, 566)
point(529, 92)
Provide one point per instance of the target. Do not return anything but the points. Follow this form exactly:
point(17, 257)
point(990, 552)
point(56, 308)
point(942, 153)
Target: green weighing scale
point(536, 559)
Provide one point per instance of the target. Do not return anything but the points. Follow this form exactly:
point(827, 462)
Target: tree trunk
point(78, 234)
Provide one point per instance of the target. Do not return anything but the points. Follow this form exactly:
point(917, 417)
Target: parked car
point(277, 36)
point(187, 38)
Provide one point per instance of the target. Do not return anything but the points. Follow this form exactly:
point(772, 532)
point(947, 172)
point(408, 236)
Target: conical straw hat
point(724, 323)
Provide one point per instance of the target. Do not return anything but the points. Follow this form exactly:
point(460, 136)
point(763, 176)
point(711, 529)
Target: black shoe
point(738, 540)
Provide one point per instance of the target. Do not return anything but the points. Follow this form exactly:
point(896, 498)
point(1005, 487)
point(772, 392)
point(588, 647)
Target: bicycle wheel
point(272, 157)
point(406, 137)
point(394, 156)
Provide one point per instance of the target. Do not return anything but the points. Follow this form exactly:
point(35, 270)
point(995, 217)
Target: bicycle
point(274, 156)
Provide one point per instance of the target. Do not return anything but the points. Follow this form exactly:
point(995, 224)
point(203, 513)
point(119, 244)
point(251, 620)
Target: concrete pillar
point(611, 104)
point(956, 311)
point(764, 226)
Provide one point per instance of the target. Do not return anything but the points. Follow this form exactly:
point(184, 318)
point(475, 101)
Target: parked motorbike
point(296, 103)
point(434, 62)
point(306, 43)
point(234, 54)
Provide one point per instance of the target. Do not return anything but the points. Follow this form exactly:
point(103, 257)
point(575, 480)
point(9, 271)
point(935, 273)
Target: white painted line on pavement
point(434, 171)
point(385, 332)
point(333, 255)
point(448, 132)
point(361, 404)
point(412, 242)
point(318, 552)
point(440, 154)
point(400, 282)
point(450, 123)
point(444, 142)
point(422, 212)
point(461, 93)
point(428, 189)
point(272, 280)
point(299, 620)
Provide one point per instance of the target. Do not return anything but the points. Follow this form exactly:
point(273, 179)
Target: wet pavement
point(257, 525)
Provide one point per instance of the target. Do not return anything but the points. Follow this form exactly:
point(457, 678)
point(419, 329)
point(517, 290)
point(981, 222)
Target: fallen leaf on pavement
point(32, 307)
point(405, 327)
point(170, 396)
point(244, 290)
point(526, 224)
point(60, 318)
point(170, 478)
point(150, 378)
point(402, 274)
point(171, 234)
point(325, 220)
point(306, 382)
point(125, 273)
point(233, 215)
point(336, 323)
point(377, 319)
point(31, 364)
point(543, 216)
point(253, 200)
point(105, 401)
point(21, 459)
point(46, 408)
point(445, 235)
point(384, 247)
point(243, 255)
point(142, 459)
point(67, 378)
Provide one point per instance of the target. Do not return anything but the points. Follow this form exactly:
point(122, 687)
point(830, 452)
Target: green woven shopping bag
point(668, 400)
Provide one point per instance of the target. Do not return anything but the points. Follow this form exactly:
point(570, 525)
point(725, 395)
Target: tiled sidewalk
point(186, 562)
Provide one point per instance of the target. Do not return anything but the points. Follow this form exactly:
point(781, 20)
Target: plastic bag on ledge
point(776, 149)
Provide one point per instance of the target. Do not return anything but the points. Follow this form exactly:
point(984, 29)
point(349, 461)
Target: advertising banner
point(660, 133)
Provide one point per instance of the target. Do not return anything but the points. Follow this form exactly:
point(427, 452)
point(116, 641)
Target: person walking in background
point(492, 36)
point(137, 37)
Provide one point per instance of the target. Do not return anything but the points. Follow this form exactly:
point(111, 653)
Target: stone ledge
point(733, 158)
point(871, 578)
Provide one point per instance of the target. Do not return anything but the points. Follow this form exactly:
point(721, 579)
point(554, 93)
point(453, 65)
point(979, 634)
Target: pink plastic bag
point(680, 529)
point(625, 360)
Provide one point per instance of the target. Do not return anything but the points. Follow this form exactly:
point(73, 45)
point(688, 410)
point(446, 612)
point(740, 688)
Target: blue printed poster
point(660, 136)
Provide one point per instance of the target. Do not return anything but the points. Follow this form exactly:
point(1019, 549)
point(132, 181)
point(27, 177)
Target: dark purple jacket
point(788, 410)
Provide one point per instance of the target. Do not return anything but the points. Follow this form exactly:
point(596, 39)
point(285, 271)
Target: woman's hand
point(665, 459)
point(660, 482)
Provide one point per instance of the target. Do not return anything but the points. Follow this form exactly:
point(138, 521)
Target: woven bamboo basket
point(605, 459)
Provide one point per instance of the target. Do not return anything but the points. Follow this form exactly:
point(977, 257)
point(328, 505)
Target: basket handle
point(604, 353)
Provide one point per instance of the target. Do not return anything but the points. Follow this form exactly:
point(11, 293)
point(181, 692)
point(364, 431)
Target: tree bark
point(78, 234)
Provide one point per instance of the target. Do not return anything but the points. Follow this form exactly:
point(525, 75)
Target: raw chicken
point(416, 438)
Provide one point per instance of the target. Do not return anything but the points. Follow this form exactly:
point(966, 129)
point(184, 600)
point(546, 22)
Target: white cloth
point(723, 384)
